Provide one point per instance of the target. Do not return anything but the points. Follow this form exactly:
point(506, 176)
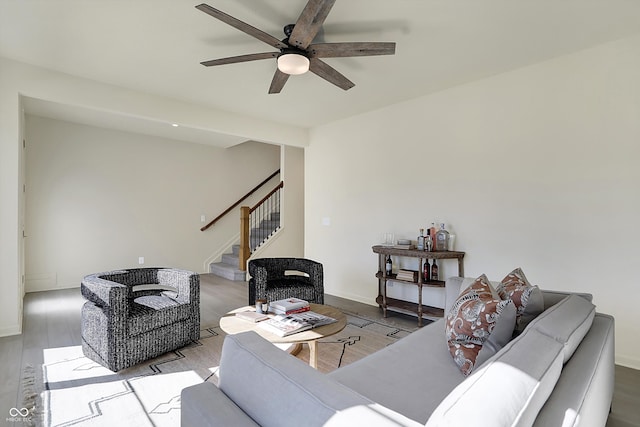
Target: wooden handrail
point(245, 217)
point(230, 208)
point(279, 186)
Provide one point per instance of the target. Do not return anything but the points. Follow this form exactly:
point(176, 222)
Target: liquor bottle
point(442, 239)
point(389, 266)
point(432, 232)
point(434, 270)
point(428, 241)
point(426, 272)
point(421, 240)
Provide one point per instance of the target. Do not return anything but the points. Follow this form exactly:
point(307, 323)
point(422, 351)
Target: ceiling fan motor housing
point(288, 29)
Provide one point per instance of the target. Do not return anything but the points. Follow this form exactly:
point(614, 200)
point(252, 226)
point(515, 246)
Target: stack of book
point(404, 244)
point(289, 306)
point(408, 275)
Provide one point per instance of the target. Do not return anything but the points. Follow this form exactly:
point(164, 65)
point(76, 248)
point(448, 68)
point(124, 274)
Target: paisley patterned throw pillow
point(471, 320)
point(527, 298)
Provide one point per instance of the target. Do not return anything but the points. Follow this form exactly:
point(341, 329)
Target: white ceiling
point(156, 46)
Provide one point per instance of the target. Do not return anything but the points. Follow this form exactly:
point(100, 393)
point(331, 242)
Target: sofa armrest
point(206, 405)
point(277, 389)
point(582, 396)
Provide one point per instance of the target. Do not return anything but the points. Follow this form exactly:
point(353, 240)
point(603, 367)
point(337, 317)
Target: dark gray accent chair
point(134, 315)
point(277, 278)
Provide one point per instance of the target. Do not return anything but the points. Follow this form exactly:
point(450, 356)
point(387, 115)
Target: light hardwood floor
point(52, 319)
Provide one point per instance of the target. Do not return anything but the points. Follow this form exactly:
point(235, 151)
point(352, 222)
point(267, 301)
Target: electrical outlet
point(140, 260)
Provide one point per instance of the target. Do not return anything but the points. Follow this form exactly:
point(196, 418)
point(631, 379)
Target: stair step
point(228, 267)
point(270, 224)
point(231, 259)
point(256, 238)
point(228, 271)
point(261, 232)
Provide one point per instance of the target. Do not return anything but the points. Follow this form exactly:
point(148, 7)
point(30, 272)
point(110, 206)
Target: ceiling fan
point(297, 54)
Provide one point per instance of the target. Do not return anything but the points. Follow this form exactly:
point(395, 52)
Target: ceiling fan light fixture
point(293, 63)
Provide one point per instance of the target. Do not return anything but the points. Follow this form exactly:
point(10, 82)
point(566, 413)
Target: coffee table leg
point(313, 354)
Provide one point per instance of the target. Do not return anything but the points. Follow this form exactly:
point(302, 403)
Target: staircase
point(228, 266)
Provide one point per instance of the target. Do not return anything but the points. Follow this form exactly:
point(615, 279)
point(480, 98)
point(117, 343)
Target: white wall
point(98, 199)
point(536, 168)
point(289, 241)
point(11, 156)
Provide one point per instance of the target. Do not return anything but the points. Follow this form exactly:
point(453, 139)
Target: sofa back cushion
point(452, 288)
point(567, 321)
point(509, 389)
point(553, 297)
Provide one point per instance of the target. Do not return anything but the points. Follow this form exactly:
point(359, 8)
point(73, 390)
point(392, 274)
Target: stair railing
point(252, 234)
point(242, 199)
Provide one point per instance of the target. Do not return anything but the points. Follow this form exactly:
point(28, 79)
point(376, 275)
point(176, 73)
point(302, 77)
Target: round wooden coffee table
point(231, 324)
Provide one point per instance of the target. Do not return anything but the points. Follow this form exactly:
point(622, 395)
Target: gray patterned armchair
point(137, 314)
point(271, 279)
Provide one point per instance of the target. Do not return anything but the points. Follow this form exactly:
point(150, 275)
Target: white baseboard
point(41, 282)
point(357, 298)
point(629, 362)
point(10, 330)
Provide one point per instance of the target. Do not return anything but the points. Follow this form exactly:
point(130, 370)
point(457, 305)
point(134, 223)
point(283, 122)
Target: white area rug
point(80, 392)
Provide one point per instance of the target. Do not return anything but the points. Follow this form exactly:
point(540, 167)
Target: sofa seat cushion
point(419, 361)
point(526, 297)
point(509, 389)
point(154, 311)
point(292, 286)
point(478, 314)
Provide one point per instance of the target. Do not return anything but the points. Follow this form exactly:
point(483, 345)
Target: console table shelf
point(406, 306)
point(430, 283)
point(412, 307)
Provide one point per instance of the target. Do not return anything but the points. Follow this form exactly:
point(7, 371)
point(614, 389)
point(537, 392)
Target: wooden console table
point(408, 306)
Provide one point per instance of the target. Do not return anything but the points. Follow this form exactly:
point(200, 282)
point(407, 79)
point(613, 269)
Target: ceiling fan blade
point(242, 26)
point(336, 50)
point(279, 79)
point(309, 22)
point(241, 58)
point(330, 74)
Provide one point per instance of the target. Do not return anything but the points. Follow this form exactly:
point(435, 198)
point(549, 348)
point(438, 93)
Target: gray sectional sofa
point(558, 372)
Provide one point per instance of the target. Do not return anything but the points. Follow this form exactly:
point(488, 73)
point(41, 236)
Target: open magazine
point(283, 325)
